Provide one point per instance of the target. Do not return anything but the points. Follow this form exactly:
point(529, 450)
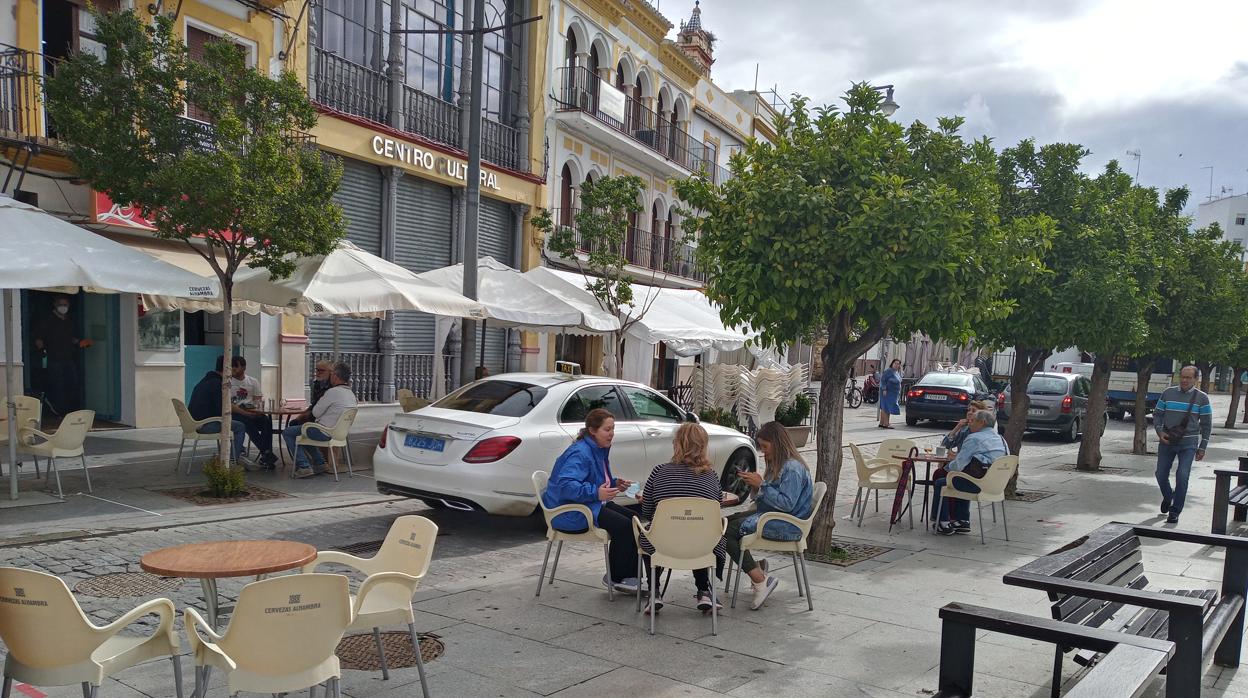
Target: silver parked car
point(1059, 404)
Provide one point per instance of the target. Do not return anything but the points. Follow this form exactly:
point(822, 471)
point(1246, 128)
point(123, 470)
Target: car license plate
point(932, 396)
point(1036, 411)
point(427, 443)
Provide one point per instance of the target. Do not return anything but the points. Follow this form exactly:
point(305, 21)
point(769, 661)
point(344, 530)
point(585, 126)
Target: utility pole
point(472, 203)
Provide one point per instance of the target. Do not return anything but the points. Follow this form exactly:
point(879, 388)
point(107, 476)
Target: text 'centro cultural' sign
point(430, 161)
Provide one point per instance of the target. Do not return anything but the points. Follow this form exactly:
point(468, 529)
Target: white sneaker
point(303, 472)
point(704, 602)
point(658, 604)
point(762, 591)
point(628, 585)
point(248, 464)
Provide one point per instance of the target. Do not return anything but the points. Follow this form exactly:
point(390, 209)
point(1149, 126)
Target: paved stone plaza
point(874, 630)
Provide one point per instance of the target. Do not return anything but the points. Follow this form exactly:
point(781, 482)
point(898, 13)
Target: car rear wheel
point(1072, 433)
point(911, 421)
point(729, 481)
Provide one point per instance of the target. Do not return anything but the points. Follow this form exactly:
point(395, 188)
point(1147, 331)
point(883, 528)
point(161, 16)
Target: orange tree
point(853, 227)
point(239, 186)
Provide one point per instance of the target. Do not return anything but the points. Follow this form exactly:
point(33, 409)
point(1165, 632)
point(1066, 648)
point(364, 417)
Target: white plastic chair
point(190, 432)
point(991, 490)
point(756, 542)
point(29, 414)
point(684, 532)
point(65, 442)
point(282, 636)
point(337, 438)
point(385, 596)
point(553, 535)
point(51, 642)
point(875, 474)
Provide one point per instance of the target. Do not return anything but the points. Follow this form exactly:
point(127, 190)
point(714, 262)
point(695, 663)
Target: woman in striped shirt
point(689, 474)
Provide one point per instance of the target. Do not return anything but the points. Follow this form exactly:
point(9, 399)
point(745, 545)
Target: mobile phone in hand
point(632, 490)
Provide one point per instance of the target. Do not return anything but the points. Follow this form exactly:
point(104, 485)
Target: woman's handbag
point(977, 468)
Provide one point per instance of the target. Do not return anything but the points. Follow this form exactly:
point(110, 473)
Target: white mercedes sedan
point(476, 449)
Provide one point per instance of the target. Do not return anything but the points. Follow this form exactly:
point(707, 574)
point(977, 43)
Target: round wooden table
point(209, 562)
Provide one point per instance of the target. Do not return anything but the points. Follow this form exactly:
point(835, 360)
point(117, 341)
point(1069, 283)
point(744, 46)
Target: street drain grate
point(120, 585)
point(846, 552)
point(1030, 496)
point(359, 652)
point(361, 549)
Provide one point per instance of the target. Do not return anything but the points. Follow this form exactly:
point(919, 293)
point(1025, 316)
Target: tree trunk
point(1236, 388)
point(1139, 444)
point(828, 425)
point(619, 354)
point(1090, 448)
point(227, 353)
point(1205, 369)
point(1026, 363)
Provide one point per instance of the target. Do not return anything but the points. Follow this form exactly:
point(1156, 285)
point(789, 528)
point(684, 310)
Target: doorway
point(83, 369)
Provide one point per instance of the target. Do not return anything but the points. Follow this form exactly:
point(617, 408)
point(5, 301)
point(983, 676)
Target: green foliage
point(792, 414)
point(224, 481)
point(242, 183)
point(724, 418)
point(855, 227)
point(601, 228)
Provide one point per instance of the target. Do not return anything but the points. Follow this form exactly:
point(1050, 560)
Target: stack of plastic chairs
point(727, 380)
point(746, 402)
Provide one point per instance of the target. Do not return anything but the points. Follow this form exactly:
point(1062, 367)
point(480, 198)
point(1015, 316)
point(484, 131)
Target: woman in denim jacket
point(786, 487)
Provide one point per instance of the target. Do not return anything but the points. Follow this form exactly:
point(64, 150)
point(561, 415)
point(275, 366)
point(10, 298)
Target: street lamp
point(888, 106)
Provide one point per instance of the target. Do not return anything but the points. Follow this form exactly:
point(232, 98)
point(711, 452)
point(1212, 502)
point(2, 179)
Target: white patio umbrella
point(40, 251)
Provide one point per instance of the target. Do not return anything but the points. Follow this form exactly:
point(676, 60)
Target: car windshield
point(1045, 385)
point(946, 380)
point(502, 398)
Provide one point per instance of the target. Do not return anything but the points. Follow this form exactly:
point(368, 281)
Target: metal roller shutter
point(497, 232)
point(422, 242)
point(359, 195)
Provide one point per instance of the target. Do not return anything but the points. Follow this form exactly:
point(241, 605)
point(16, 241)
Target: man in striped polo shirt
point(1183, 409)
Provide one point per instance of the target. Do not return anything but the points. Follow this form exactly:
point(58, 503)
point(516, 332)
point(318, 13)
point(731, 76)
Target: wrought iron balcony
point(354, 89)
point(642, 249)
point(21, 104)
point(580, 90)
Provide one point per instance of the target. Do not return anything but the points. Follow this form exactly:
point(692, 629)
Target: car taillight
point(1066, 403)
point(382, 442)
point(491, 449)
point(963, 397)
point(1000, 401)
point(914, 393)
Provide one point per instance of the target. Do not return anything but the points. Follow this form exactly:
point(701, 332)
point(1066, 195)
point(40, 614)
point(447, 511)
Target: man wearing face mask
point(57, 343)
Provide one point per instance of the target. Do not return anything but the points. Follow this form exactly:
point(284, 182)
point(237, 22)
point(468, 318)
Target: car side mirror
point(691, 417)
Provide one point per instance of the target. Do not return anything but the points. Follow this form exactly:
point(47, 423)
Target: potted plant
point(724, 418)
point(792, 415)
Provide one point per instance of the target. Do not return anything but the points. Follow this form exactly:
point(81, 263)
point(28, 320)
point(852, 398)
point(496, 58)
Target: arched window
point(567, 197)
point(656, 242)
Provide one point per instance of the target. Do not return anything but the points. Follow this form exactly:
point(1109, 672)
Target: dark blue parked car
point(943, 396)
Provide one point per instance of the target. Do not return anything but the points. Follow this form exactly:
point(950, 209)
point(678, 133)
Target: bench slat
point(1239, 496)
point(1070, 558)
point(1070, 606)
point(1125, 671)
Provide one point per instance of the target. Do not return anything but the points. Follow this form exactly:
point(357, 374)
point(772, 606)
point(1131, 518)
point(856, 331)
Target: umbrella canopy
point(40, 251)
point(511, 299)
point(347, 281)
point(596, 320)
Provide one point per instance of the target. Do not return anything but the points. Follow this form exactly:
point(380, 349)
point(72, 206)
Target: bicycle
point(853, 394)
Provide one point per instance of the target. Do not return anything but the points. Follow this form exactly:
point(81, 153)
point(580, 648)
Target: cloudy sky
point(1166, 78)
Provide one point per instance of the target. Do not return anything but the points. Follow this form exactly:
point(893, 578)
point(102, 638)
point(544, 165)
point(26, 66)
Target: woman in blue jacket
point(890, 393)
point(582, 475)
point(785, 487)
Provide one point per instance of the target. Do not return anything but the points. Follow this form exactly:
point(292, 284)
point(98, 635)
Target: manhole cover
point(361, 549)
point(1030, 496)
point(846, 552)
point(124, 584)
point(359, 652)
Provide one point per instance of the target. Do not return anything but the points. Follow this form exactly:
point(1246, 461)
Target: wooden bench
point(1098, 581)
point(1225, 495)
point(1129, 664)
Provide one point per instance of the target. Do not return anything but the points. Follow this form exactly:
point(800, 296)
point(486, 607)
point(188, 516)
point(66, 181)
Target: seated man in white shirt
point(248, 405)
point(327, 411)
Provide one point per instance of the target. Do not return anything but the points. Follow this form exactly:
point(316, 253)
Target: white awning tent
point(347, 281)
point(40, 251)
point(684, 319)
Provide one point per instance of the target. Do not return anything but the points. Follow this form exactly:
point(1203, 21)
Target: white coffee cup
point(940, 451)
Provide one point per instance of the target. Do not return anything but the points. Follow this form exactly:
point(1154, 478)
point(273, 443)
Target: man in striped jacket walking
point(1183, 419)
